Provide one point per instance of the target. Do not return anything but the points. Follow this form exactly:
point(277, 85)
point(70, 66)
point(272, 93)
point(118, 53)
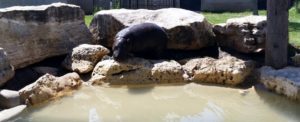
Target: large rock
point(48, 87)
point(228, 70)
point(32, 33)
point(137, 71)
point(245, 34)
point(186, 30)
point(84, 57)
point(6, 70)
point(284, 81)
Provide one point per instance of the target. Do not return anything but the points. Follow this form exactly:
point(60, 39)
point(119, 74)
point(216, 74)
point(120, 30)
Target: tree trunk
point(277, 33)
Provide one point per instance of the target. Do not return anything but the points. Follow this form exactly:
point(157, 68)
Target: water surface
point(185, 103)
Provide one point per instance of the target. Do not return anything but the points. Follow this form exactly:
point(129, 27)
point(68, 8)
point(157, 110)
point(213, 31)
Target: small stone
point(9, 99)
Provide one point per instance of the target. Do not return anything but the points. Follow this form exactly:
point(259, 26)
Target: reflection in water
point(187, 103)
point(93, 116)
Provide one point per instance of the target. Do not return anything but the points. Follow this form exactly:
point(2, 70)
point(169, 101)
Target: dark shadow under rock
point(28, 75)
point(185, 54)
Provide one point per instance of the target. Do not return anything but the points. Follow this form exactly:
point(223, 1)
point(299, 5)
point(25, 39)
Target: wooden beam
point(277, 33)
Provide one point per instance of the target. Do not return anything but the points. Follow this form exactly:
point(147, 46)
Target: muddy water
point(187, 103)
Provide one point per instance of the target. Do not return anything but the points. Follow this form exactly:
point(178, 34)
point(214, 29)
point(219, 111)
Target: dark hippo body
point(145, 40)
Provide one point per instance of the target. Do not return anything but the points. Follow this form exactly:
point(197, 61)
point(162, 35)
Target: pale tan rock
point(6, 69)
point(244, 34)
point(227, 70)
point(30, 34)
point(84, 57)
point(137, 71)
point(48, 87)
point(186, 30)
point(284, 81)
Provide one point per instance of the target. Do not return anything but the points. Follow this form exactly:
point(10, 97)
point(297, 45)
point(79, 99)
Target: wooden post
point(277, 33)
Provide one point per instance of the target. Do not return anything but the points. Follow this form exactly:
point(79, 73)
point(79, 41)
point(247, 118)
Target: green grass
point(294, 24)
point(88, 19)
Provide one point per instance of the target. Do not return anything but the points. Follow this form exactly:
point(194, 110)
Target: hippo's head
point(120, 49)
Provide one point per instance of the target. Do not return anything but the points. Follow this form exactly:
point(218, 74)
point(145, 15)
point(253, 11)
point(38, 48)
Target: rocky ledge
point(186, 30)
point(227, 70)
point(30, 34)
point(284, 81)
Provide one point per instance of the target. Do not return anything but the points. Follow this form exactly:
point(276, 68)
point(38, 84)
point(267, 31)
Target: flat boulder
point(137, 71)
point(49, 87)
point(84, 58)
point(244, 34)
point(6, 69)
point(227, 70)
point(30, 34)
point(186, 30)
point(284, 81)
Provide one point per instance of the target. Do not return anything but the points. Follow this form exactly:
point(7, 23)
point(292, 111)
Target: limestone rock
point(245, 34)
point(30, 34)
point(227, 70)
point(9, 99)
point(48, 87)
point(6, 70)
point(186, 30)
point(137, 71)
point(284, 81)
point(84, 57)
point(8, 114)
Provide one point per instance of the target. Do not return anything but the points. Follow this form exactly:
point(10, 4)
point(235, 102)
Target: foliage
point(88, 19)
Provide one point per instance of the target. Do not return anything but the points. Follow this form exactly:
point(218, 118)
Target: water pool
point(178, 103)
